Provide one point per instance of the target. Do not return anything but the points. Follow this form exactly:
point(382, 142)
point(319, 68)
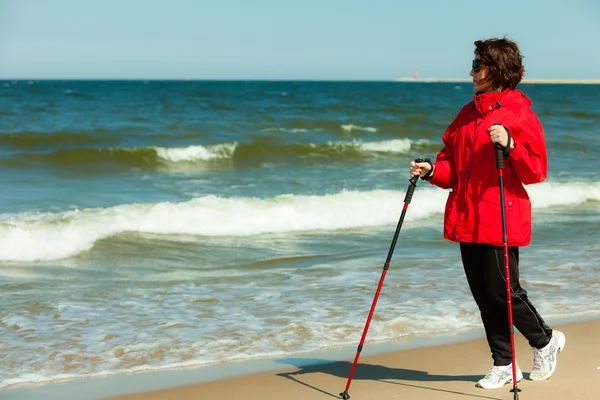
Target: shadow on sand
point(394, 376)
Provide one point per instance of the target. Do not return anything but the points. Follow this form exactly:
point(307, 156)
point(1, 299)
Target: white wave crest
point(388, 146)
point(548, 194)
point(384, 146)
point(196, 153)
point(350, 128)
point(51, 236)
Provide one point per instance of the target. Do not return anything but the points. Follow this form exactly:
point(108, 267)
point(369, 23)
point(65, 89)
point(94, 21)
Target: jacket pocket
point(487, 224)
point(518, 217)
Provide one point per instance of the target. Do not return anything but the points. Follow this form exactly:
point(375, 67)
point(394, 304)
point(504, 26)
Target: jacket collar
point(486, 102)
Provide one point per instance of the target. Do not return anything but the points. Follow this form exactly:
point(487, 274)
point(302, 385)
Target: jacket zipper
point(466, 190)
point(479, 103)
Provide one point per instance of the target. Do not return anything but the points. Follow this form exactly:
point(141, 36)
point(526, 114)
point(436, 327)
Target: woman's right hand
point(419, 168)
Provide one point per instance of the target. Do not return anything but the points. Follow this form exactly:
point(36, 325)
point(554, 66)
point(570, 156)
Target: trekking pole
point(500, 167)
point(407, 199)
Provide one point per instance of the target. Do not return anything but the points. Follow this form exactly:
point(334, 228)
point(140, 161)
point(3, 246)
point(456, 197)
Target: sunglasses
point(476, 65)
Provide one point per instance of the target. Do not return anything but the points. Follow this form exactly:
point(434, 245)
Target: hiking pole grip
point(413, 184)
point(500, 152)
point(411, 189)
point(499, 156)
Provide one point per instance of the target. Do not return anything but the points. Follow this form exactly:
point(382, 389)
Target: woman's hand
point(499, 135)
point(420, 169)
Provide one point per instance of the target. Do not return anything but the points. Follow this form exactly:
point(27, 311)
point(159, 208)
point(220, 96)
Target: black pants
point(485, 270)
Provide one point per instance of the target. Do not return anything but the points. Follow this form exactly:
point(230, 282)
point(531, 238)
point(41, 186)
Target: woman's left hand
point(499, 135)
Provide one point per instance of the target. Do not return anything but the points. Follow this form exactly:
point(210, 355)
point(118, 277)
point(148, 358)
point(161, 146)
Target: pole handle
point(499, 156)
point(411, 189)
point(413, 184)
point(499, 153)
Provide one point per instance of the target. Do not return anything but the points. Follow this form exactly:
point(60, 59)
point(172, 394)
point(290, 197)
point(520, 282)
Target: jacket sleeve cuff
point(517, 152)
point(435, 179)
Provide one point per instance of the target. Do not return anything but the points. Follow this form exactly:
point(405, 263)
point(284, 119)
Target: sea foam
point(57, 235)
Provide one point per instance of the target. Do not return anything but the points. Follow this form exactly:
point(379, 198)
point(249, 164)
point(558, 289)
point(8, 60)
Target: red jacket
point(467, 165)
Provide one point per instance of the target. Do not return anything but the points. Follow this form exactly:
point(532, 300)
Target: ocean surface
point(150, 225)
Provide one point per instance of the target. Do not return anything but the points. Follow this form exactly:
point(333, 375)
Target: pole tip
point(516, 391)
point(345, 395)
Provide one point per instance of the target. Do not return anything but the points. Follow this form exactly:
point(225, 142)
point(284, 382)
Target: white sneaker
point(544, 359)
point(499, 376)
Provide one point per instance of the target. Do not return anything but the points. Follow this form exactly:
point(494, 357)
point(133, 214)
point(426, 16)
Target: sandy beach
point(439, 372)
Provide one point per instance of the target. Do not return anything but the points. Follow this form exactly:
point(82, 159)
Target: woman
point(499, 114)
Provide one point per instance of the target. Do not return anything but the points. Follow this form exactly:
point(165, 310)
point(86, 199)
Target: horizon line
point(401, 79)
point(525, 80)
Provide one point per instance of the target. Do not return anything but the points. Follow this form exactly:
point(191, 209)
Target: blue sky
point(290, 39)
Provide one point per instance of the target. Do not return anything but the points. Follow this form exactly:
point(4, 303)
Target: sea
point(157, 225)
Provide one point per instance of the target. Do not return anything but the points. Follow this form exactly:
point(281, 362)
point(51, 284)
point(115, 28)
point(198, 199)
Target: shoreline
point(439, 372)
point(150, 383)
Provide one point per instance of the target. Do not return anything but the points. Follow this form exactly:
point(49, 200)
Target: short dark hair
point(503, 60)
